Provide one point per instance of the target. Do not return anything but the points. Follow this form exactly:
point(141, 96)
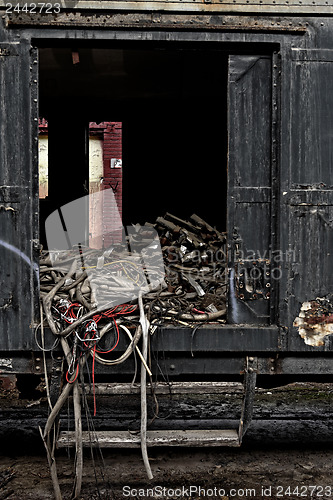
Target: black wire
point(165, 377)
point(194, 331)
point(91, 430)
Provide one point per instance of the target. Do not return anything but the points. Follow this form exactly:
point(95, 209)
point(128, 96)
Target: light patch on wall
point(43, 149)
point(315, 320)
point(95, 184)
point(95, 160)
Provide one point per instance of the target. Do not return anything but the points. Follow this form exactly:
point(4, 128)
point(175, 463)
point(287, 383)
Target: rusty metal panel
point(307, 194)
point(209, 6)
point(18, 272)
point(158, 21)
point(311, 273)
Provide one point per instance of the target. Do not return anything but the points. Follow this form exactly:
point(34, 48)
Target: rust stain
point(315, 320)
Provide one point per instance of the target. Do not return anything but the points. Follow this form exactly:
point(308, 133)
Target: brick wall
point(111, 132)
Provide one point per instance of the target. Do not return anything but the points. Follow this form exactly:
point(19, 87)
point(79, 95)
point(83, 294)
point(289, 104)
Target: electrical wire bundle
point(80, 333)
point(82, 306)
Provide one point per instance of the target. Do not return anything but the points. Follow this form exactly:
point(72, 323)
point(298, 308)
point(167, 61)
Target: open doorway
point(104, 172)
point(163, 154)
point(192, 121)
point(172, 107)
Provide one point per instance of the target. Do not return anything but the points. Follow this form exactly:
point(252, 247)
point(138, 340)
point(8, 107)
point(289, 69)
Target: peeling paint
point(7, 303)
point(315, 320)
point(6, 363)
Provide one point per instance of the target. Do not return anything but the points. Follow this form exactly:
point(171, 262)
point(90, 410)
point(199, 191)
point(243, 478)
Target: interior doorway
point(172, 106)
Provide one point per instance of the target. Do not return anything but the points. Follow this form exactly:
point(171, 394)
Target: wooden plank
point(173, 388)
point(124, 439)
point(268, 6)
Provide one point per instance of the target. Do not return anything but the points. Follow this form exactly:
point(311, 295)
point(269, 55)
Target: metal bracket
point(250, 378)
point(253, 279)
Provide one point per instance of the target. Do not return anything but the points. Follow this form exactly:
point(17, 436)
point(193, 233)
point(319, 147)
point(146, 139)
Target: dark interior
point(173, 106)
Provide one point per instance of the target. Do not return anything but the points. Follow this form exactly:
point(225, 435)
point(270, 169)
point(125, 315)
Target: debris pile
point(191, 284)
point(195, 260)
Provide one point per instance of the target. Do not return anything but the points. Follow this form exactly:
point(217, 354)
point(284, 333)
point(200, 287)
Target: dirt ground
point(287, 453)
point(240, 473)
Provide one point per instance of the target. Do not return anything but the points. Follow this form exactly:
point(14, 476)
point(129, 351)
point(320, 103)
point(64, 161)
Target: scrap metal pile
point(173, 271)
point(191, 285)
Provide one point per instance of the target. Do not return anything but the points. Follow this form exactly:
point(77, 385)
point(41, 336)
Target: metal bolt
point(38, 368)
point(251, 359)
point(250, 370)
point(172, 367)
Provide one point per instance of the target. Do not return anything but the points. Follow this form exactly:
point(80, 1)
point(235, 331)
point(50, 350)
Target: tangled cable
point(77, 309)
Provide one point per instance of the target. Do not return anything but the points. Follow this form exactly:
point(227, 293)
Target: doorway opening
point(149, 127)
point(169, 107)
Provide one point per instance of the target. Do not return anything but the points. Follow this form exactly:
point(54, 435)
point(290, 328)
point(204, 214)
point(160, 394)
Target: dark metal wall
point(286, 205)
point(18, 183)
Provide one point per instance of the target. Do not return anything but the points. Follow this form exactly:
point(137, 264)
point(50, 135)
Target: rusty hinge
point(253, 279)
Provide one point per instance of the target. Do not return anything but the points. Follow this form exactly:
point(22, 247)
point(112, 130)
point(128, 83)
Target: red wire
point(197, 310)
point(76, 374)
point(93, 379)
point(110, 313)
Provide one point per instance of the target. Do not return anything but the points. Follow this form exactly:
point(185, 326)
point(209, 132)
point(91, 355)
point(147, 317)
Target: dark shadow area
point(173, 105)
